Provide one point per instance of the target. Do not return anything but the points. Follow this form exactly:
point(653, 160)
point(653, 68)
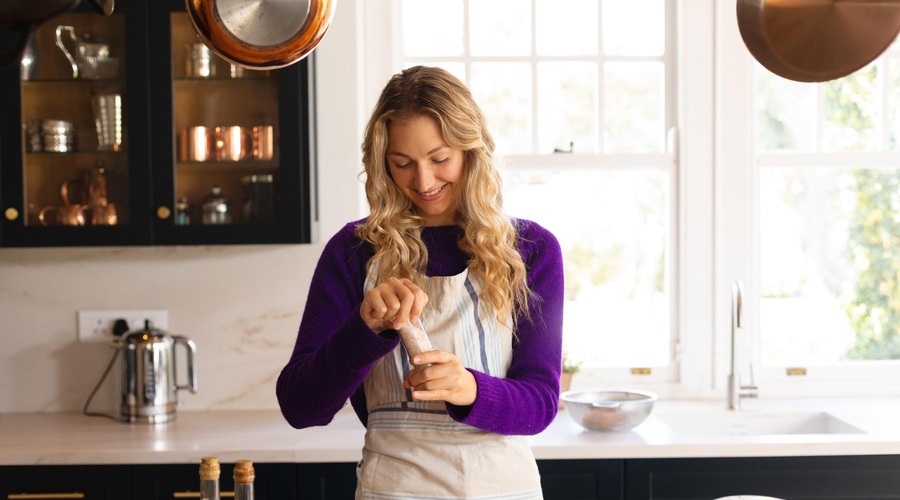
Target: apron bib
point(413, 449)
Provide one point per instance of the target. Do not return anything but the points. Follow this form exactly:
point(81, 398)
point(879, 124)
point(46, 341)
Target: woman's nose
point(424, 175)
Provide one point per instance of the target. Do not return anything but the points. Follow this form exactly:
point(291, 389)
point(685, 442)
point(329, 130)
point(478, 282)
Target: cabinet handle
point(43, 496)
point(11, 213)
point(196, 494)
point(163, 212)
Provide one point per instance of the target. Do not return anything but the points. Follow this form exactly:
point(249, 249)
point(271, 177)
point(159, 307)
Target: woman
point(436, 247)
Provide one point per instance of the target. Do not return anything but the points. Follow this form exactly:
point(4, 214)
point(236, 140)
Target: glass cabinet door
point(226, 130)
point(70, 158)
point(232, 147)
point(74, 97)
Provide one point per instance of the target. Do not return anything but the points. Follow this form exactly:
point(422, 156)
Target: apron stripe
point(474, 296)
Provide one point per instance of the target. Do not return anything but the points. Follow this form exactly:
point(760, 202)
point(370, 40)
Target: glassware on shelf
point(216, 208)
point(182, 212)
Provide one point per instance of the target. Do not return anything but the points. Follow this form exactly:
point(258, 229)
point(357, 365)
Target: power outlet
point(97, 326)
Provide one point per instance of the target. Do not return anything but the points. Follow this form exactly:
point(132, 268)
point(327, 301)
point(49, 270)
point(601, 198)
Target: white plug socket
point(97, 326)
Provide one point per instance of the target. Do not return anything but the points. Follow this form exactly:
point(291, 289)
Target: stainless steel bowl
point(609, 409)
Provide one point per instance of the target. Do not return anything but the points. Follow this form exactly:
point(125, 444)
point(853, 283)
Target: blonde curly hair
point(393, 227)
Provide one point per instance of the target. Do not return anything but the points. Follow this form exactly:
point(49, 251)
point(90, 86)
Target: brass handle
point(43, 496)
point(196, 494)
point(11, 213)
point(163, 212)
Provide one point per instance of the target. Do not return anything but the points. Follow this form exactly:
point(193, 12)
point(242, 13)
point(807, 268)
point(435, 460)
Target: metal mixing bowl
point(609, 409)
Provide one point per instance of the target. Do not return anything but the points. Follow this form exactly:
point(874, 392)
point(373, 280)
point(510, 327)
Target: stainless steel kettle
point(149, 380)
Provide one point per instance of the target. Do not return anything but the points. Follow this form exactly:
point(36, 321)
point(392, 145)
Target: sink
point(756, 423)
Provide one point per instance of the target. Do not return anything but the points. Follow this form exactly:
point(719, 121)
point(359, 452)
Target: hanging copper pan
point(261, 34)
point(817, 40)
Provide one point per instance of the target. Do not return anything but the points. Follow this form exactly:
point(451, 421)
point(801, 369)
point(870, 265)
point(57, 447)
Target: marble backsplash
point(240, 304)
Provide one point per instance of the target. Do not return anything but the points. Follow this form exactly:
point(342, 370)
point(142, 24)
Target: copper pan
point(261, 34)
point(817, 40)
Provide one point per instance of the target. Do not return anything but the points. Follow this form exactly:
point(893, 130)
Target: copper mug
point(104, 215)
point(196, 144)
point(233, 143)
point(263, 142)
point(67, 215)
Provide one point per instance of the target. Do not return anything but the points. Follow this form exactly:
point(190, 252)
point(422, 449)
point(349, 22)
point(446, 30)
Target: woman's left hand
point(446, 379)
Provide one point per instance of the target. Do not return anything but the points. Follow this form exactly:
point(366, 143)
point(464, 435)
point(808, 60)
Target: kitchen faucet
point(736, 391)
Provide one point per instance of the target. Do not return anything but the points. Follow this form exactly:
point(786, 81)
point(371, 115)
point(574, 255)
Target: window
point(822, 194)
point(580, 97)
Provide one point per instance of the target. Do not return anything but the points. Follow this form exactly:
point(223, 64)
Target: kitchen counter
point(263, 436)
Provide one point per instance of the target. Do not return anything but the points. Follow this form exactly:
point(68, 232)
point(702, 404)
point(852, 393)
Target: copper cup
point(263, 142)
point(233, 143)
point(196, 144)
point(67, 215)
point(104, 215)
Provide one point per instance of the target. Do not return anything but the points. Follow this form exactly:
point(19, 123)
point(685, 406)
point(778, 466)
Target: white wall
point(240, 304)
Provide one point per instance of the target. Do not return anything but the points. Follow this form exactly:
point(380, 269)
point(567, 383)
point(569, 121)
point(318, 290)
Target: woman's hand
point(440, 376)
point(392, 303)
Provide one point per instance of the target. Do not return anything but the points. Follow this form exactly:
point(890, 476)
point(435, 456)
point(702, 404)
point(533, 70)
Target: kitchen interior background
point(240, 304)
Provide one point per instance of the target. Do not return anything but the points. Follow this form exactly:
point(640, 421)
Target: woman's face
point(425, 169)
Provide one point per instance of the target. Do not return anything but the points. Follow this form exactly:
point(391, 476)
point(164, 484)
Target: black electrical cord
point(121, 326)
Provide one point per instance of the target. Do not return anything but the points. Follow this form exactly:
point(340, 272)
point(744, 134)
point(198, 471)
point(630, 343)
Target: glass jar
point(216, 208)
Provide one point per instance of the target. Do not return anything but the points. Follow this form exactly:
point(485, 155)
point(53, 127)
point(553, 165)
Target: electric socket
point(97, 326)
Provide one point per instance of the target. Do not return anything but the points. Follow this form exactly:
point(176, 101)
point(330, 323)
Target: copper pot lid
point(817, 40)
point(261, 34)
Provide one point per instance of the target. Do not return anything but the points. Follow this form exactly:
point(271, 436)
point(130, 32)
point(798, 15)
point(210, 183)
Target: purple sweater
point(335, 349)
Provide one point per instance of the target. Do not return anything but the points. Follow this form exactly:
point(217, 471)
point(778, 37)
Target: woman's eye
point(445, 160)
point(405, 165)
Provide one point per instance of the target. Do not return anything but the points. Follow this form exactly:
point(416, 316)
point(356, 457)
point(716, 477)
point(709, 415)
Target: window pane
point(634, 27)
point(830, 265)
point(634, 118)
point(893, 105)
point(567, 107)
point(566, 27)
point(616, 261)
point(420, 38)
point(499, 27)
point(785, 113)
point(503, 90)
point(850, 121)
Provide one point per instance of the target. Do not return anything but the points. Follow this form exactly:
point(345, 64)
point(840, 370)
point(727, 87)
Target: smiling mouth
point(434, 193)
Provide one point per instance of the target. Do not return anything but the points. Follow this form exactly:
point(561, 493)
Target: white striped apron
point(414, 450)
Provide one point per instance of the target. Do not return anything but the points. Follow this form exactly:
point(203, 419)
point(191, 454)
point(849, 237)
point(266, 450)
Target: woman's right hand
point(392, 303)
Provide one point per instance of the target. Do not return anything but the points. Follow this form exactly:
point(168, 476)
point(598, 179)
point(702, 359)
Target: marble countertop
point(263, 436)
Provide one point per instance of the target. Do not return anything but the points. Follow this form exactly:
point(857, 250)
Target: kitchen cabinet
point(326, 481)
point(847, 477)
point(581, 479)
point(164, 482)
point(98, 482)
point(123, 141)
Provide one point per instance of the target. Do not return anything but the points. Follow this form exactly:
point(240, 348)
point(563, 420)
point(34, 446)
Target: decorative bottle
point(243, 480)
point(209, 478)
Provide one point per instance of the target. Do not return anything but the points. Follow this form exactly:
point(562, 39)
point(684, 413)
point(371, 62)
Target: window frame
point(690, 161)
point(738, 173)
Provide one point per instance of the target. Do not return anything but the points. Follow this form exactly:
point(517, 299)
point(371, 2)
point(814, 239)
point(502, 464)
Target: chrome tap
point(736, 391)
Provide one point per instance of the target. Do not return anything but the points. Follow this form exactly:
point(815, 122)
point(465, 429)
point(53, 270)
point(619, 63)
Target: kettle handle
point(191, 348)
point(62, 46)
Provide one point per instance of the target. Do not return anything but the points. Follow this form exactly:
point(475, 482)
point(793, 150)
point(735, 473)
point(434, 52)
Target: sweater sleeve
point(527, 400)
point(334, 349)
